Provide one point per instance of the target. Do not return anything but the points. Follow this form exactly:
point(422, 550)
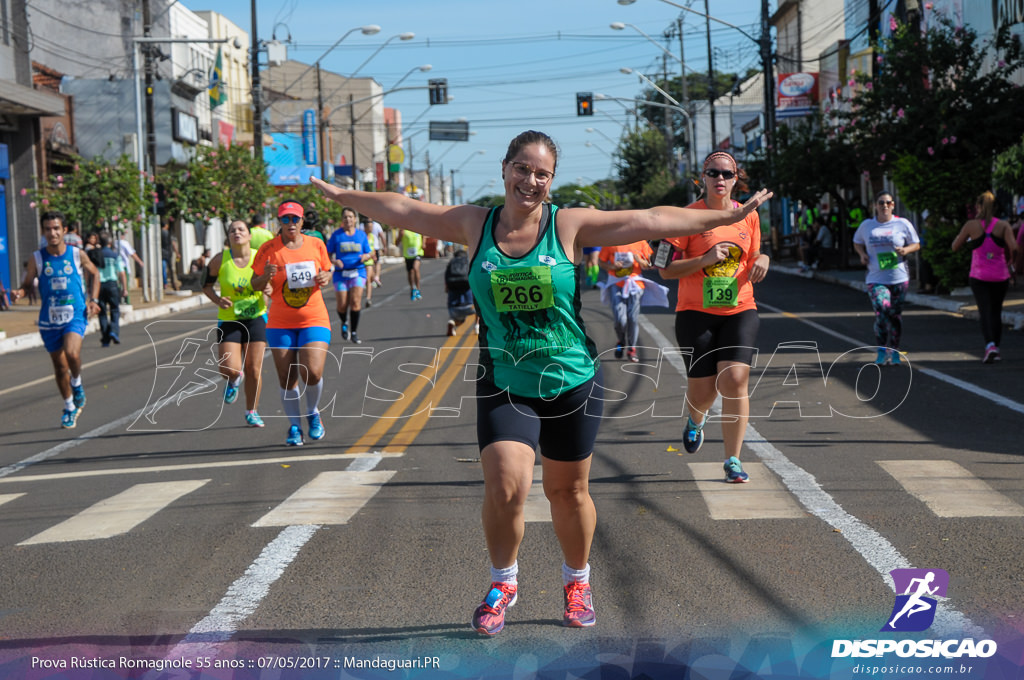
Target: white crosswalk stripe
point(4, 498)
point(763, 497)
point(333, 497)
point(117, 514)
point(330, 498)
point(949, 489)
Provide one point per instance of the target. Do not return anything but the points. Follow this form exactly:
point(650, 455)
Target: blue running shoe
point(734, 473)
point(693, 436)
point(883, 357)
point(294, 436)
point(78, 395)
point(579, 606)
point(344, 331)
point(69, 418)
point(316, 428)
point(896, 358)
point(416, 294)
point(230, 392)
point(253, 419)
point(489, 617)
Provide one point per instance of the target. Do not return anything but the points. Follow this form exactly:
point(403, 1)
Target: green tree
point(1009, 170)
point(643, 178)
point(97, 193)
point(224, 182)
point(938, 110)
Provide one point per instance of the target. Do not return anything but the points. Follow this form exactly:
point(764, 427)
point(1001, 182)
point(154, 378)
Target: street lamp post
point(765, 45)
point(675, 106)
point(355, 168)
point(590, 129)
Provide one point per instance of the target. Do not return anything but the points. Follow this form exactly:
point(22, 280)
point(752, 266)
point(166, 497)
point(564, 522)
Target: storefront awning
point(18, 100)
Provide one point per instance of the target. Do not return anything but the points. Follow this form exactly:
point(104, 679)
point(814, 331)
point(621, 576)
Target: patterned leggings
point(887, 301)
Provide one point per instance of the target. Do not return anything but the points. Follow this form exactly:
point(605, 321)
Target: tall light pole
point(765, 45)
point(676, 106)
point(257, 90)
point(352, 131)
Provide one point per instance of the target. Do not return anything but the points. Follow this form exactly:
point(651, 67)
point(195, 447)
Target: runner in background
point(624, 291)
point(716, 314)
point(349, 251)
point(64, 311)
point(411, 244)
point(241, 319)
point(298, 327)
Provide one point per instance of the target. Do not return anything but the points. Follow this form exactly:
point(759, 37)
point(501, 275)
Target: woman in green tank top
point(241, 319)
point(540, 365)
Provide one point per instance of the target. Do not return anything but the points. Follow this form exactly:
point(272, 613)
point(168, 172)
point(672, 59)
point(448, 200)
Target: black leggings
point(990, 295)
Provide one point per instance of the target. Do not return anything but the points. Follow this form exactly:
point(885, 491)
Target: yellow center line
point(381, 425)
point(407, 435)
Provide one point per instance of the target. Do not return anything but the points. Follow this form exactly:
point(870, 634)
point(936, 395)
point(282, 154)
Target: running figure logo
point(915, 608)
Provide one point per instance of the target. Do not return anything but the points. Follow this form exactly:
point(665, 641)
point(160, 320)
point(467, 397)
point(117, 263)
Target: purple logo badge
point(915, 605)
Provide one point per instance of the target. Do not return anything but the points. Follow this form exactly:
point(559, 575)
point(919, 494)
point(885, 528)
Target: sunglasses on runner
point(724, 174)
point(289, 219)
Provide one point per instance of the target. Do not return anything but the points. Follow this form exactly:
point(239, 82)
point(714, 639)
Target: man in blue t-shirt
point(113, 284)
point(349, 250)
point(64, 309)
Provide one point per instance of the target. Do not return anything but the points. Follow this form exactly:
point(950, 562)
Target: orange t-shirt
point(744, 239)
point(296, 300)
point(626, 258)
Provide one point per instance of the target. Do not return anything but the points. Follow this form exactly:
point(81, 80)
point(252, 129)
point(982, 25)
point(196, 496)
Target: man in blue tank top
point(64, 311)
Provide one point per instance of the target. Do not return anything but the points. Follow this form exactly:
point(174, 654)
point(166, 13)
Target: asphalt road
point(369, 542)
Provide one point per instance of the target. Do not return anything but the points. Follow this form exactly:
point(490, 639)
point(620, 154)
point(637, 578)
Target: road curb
point(129, 315)
point(1013, 319)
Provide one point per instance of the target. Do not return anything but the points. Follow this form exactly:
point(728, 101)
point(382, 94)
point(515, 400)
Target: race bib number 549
point(300, 274)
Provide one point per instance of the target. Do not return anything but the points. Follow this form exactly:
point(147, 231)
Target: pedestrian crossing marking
point(118, 514)
point(537, 508)
point(4, 498)
point(949, 490)
point(329, 498)
point(763, 497)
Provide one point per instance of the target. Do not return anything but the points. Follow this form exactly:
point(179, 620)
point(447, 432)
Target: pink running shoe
point(489, 617)
point(579, 606)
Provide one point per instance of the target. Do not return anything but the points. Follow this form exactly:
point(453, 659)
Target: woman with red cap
point(298, 325)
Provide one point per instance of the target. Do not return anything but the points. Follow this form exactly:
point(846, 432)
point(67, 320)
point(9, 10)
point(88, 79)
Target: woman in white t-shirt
point(883, 243)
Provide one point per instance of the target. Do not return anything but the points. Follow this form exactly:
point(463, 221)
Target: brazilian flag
point(217, 94)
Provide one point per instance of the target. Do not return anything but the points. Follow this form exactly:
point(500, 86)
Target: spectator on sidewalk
point(113, 284)
point(993, 247)
point(821, 240)
point(170, 255)
point(128, 255)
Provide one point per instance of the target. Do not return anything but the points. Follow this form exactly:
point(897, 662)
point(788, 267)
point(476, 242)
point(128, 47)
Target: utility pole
point(670, 124)
point(257, 92)
point(147, 51)
point(352, 134)
point(321, 123)
point(711, 76)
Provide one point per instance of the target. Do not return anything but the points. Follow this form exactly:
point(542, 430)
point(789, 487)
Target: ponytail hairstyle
point(986, 206)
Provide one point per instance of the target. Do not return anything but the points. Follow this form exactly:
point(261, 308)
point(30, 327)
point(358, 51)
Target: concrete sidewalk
point(18, 328)
point(961, 301)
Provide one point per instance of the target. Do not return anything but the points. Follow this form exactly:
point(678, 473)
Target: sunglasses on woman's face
point(289, 219)
point(724, 174)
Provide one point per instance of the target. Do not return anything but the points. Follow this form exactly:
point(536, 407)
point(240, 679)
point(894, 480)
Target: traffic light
point(438, 91)
point(584, 104)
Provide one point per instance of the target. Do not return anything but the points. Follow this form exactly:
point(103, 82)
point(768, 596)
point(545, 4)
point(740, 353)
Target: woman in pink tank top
point(993, 246)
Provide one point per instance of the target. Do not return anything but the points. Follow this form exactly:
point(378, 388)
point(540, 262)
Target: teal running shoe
point(253, 419)
point(69, 418)
point(78, 395)
point(693, 435)
point(230, 392)
point(734, 473)
point(294, 436)
point(316, 428)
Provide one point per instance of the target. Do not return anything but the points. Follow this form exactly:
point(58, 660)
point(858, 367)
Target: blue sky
point(510, 66)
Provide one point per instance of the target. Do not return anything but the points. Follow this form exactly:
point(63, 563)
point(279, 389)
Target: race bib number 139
point(720, 291)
